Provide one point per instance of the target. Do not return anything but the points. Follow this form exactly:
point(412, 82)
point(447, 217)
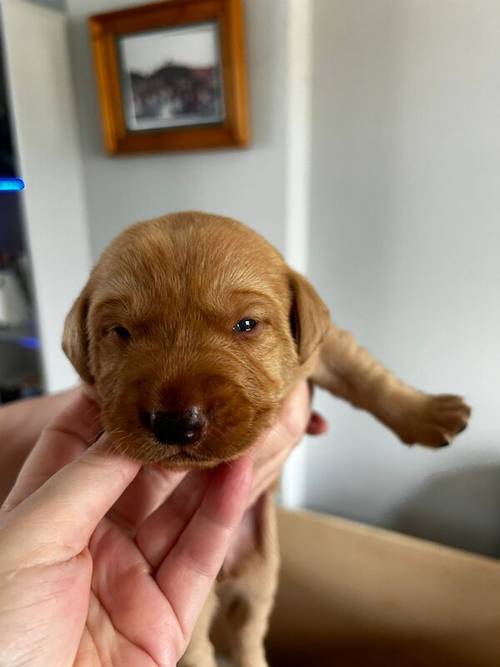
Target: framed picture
point(172, 76)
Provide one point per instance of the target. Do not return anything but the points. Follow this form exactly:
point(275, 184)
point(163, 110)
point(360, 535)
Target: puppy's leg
point(348, 371)
point(200, 652)
point(248, 593)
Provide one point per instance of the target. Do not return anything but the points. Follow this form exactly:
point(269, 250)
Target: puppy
point(191, 331)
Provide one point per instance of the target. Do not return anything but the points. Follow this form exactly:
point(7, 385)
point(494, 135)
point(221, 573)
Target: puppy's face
point(191, 330)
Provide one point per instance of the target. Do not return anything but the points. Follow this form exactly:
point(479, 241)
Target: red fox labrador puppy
point(191, 331)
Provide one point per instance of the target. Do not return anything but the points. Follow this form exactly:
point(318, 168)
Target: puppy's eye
point(121, 332)
point(244, 326)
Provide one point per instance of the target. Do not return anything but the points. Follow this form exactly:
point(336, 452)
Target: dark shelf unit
point(20, 365)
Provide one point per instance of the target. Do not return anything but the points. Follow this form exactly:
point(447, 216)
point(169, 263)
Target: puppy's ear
point(75, 337)
point(309, 317)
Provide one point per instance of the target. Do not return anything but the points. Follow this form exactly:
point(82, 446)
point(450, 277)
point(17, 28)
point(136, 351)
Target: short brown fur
point(179, 284)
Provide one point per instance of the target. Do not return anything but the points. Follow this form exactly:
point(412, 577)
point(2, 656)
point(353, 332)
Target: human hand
point(275, 445)
point(21, 423)
point(81, 583)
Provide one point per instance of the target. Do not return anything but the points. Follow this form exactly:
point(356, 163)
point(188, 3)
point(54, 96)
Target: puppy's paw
point(434, 421)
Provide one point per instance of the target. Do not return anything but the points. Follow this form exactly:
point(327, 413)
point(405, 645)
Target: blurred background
point(374, 167)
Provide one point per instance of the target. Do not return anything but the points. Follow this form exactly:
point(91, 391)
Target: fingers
point(157, 535)
point(196, 558)
point(21, 423)
point(288, 427)
point(63, 439)
point(146, 493)
point(56, 521)
point(296, 411)
point(273, 447)
point(317, 424)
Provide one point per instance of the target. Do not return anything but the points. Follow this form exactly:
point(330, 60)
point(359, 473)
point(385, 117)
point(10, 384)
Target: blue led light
point(11, 184)
point(30, 343)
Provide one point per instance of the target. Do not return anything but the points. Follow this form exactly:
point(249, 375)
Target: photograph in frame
point(172, 77)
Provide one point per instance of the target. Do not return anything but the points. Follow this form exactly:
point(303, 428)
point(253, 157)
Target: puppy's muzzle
point(177, 428)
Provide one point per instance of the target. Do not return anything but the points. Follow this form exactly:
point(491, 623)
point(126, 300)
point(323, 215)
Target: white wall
point(246, 184)
point(54, 4)
point(405, 248)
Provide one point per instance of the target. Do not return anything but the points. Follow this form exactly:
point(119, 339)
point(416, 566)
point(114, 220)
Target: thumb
point(56, 522)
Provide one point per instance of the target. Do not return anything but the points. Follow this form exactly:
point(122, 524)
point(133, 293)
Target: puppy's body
point(191, 331)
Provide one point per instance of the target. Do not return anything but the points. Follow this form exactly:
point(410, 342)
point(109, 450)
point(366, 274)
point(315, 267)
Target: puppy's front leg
point(350, 372)
point(248, 592)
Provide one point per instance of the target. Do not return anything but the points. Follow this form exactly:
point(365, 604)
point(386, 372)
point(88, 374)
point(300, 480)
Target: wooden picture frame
point(172, 106)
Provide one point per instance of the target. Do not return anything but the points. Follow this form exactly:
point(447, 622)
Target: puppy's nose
point(178, 428)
